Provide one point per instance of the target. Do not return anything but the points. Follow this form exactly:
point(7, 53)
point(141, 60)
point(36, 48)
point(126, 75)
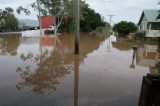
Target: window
point(155, 26)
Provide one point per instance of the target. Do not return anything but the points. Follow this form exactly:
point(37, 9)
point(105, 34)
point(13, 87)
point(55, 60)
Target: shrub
point(124, 28)
point(139, 35)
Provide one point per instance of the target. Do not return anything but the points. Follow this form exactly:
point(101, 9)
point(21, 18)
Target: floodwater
point(45, 72)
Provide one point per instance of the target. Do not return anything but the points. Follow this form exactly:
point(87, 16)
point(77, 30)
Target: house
point(149, 22)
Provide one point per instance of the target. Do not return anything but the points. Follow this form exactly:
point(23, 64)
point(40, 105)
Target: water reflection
point(133, 58)
point(145, 56)
point(48, 73)
point(76, 80)
point(9, 45)
point(54, 62)
point(148, 56)
point(123, 44)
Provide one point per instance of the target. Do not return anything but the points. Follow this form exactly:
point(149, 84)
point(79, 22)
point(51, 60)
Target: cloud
point(129, 10)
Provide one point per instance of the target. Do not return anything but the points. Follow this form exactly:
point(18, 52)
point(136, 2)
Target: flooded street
point(45, 72)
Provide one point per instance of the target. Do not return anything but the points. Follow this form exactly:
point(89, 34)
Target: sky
point(129, 10)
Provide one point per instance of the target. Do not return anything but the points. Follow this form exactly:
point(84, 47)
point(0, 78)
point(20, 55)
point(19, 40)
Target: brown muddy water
point(45, 72)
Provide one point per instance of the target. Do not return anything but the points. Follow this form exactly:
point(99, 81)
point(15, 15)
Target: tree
point(48, 7)
point(8, 22)
point(90, 20)
point(9, 45)
point(62, 9)
point(124, 27)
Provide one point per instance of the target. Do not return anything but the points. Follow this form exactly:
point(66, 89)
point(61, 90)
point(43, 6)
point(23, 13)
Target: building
point(149, 22)
point(26, 24)
point(46, 21)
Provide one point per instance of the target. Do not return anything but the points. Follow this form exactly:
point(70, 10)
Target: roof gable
point(151, 15)
point(158, 17)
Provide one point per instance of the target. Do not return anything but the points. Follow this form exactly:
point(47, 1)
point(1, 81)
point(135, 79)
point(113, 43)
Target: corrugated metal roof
point(151, 15)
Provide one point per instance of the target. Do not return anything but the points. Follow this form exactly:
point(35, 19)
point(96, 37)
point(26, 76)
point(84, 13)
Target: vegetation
point(8, 21)
point(139, 35)
point(90, 20)
point(9, 45)
point(124, 28)
point(63, 10)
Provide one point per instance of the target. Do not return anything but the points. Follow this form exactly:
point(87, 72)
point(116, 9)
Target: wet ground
point(46, 72)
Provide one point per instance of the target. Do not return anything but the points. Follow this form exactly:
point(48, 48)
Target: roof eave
point(158, 17)
point(141, 18)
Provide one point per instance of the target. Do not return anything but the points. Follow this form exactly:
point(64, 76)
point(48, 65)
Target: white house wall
point(144, 23)
point(153, 33)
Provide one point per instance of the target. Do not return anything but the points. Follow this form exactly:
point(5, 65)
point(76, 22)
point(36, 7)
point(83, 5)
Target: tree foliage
point(8, 22)
point(20, 9)
point(90, 20)
point(64, 12)
point(125, 27)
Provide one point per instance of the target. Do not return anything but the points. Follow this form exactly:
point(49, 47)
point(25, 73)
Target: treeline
point(64, 12)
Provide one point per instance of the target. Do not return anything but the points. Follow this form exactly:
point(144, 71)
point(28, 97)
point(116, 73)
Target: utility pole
point(77, 25)
point(39, 18)
point(110, 21)
point(76, 79)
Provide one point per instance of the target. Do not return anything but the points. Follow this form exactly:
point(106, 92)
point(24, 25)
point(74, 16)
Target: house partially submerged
point(150, 23)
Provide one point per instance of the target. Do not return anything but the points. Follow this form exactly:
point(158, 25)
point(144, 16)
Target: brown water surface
point(45, 72)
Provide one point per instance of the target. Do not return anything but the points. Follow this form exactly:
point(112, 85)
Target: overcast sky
point(129, 10)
